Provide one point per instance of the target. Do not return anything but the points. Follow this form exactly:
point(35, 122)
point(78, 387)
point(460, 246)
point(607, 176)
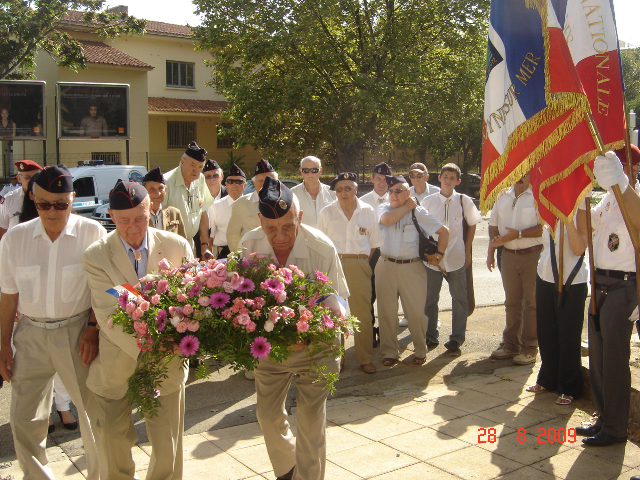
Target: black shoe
point(68, 426)
point(588, 431)
point(376, 336)
point(286, 476)
point(452, 345)
point(635, 477)
point(431, 344)
point(602, 439)
point(52, 428)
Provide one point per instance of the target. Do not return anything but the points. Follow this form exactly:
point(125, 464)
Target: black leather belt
point(524, 251)
point(401, 260)
point(619, 274)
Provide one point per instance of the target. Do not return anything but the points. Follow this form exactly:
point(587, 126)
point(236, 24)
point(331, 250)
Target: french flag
point(536, 107)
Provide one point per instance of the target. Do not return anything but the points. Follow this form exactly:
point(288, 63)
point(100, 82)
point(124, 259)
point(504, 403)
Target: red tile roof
point(101, 53)
point(163, 104)
point(158, 28)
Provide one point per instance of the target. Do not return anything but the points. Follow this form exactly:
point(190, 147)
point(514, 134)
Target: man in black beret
point(213, 176)
point(244, 212)
point(289, 242)
point(44, 280)
point(220, 212)
point(128, 253)
point(167, 218)
point(188, 192)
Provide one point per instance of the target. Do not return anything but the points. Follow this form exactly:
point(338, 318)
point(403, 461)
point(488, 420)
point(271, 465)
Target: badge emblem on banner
point(614, 242)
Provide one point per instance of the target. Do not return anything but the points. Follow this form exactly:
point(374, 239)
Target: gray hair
point(315, 160)
point(275, 175)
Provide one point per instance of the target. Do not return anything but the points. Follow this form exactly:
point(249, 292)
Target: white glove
point(608, 171)
point(634, 315)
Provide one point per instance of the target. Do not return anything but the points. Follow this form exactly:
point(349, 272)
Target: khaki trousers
point(39, 354)
point(519, 273)
point(307, 451)
point(409, 282)
point(117, 437)
point(358, 274)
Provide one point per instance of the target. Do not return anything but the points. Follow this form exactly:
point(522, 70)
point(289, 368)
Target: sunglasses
point(397, 190)
point(212, 176)
point(234, 182)
point(45, 206)
point(310, 170)
point(343, 189)
point(416, 175)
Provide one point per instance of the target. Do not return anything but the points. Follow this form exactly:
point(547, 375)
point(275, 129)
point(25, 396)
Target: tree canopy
point(631, 72)
point(340, 77)
point(27, 26)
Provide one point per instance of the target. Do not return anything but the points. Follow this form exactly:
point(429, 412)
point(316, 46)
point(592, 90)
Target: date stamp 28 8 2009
point(545, 435)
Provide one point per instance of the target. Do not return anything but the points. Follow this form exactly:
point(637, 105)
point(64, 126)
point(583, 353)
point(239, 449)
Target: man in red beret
point(11, 204)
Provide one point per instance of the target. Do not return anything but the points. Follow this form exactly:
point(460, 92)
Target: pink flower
point(274, 315)
point(144, 306)
point(321, 277)
point(235, 280)
point(286, 275)
point(268, 326)
point(297, 271)
point(213, 282)
point(272, 285)
point(204, 301)
point(137, 314)
point(227, 287)
point(181, 297)
point(155, 300)
point(281, 296)
point(272, 267)
point(164, 264)
point(181, 327)
point(326, 319)
point(260, 347)
point(189, 345)
point(140, 327)
point(302, 326)
point(227, 313)
point(287, 312)
point(175, 320)
point(123, 299)
point(130, 308)
point(243, 319)
point(246, 286)
point(260, 302)
point(187, 309)
point(219, 272)
point(219, 299)
point(162, 286)
point(110, 323)
point(250, 327)
point(193, 326)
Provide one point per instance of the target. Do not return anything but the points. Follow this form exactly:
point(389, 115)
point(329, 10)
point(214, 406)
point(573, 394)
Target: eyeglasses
point(212, 176)
point(416, 175)
point(397, 190)
point(310, 170)
point(234, 182)
point(343, 189)
point(45, 206)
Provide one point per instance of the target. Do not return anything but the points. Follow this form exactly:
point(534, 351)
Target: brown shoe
point(368, 368)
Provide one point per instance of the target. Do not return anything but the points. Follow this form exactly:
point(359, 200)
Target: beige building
point(169, 101)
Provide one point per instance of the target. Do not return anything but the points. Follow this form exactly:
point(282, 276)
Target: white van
point(92, 182)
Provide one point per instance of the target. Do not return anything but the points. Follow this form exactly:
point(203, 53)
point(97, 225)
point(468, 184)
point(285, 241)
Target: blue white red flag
point(535, 105)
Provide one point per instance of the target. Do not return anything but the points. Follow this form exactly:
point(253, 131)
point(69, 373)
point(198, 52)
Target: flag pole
point(561, 262)
point(592, 267)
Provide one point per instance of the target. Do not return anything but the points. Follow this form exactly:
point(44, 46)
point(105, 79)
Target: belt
point(619, 274)
point(401, 260)
point(353, 255)
point(52, 323)
point(524, 251)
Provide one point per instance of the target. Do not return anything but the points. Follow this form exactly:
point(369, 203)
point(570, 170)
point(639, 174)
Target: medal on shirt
point(362, 231)
point(614, 242)
point(380, 200)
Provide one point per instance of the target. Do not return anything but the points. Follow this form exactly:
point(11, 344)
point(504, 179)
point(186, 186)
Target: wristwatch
point(440, 253)
point(519, 234)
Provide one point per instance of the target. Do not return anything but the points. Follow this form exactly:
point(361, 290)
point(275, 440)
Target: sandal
point(537, 388)
point(389, 362)
point(564, 399)
point(419, 360)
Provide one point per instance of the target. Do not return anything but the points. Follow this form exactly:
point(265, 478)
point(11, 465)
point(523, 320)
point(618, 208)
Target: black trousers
point(559, 337)
point(609, 352)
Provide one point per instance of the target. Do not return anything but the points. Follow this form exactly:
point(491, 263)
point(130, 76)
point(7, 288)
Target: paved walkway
point(434, 426)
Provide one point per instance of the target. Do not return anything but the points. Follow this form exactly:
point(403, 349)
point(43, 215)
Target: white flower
point(175, 320)
point(268, 326)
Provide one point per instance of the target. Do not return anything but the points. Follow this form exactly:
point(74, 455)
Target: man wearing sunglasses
point(353, 228)
point(11, 204)
point(419, 175)
point(220, 212)
point(43, 278)
point(400, 272)
point(312, 194)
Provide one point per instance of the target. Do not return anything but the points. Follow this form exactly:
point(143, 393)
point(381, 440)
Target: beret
point(275, 199)
point(126, 195)
point(394, 180)
point(27, 165)
point(196, 152)
point(263, 166)
point(154, 175)
point(382, 169)
point(635, 154)
point(235, 171)
point(210, 165)
point(344, 176)
point(55, 179)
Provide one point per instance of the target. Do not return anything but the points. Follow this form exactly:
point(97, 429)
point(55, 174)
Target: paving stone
point(425, 443)
point(515, 415)
point(419, 471)
point(475, 463)
point(371, 460)
point(381, 426)
point(340, 439)
point(240, 436)
point(573, 463)
point(256, 458)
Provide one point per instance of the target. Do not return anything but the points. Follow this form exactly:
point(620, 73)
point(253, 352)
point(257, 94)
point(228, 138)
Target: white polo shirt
point(545, 271)
point(354, 236)
point(429, 190)
point(10, 208)
point(219, 215)
point(518, 213)
point(311, 208)
point(612, 245)
point(375, 200)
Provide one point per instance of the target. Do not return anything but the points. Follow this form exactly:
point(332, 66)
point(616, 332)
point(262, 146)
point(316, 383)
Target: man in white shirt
point(514, 225)
point(451, 209)
point(353, 228)
point(188, 192)
point(12, 185)
point(220, 211)
point(419, 175)
point(213, 177)
point(244, 211)
point(11, 204)
point(43, 279)
point(375, 198)
point(167, 218)
point(312, 194)
point(289, 242)
point(400, 272)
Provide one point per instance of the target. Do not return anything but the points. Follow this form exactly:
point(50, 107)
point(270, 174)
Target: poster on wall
point(92, 111)
point(22, 110)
